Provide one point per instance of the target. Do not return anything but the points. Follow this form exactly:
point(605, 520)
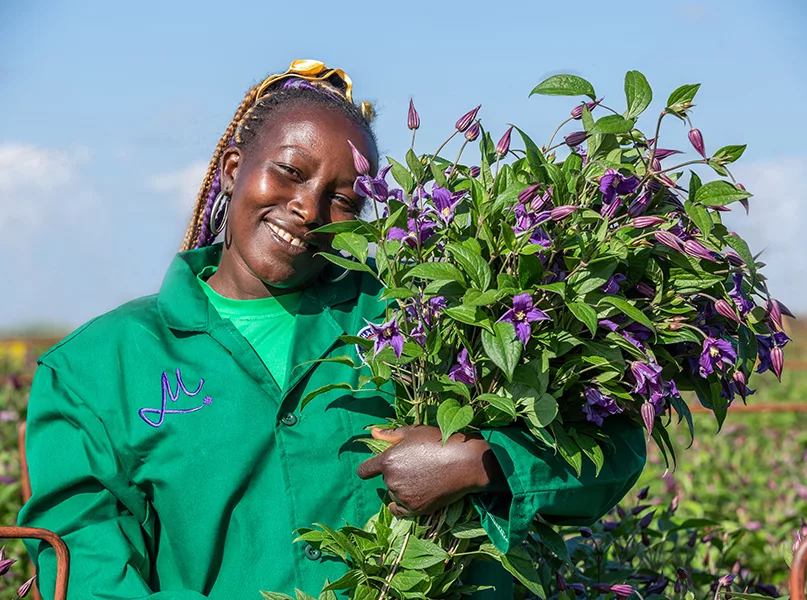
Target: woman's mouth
point(287, 237)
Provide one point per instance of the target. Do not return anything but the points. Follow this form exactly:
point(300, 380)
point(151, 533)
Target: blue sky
point(110, 111)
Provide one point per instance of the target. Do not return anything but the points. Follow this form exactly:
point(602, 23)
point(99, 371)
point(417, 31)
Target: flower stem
point(437, 152)
point(554, 133)
point(393, 568)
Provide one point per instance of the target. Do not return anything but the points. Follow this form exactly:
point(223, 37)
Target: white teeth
point(294, 241)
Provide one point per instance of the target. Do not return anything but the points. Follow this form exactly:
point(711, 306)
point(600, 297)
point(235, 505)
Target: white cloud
point(38, 184)
point(777, 224)
point(183, 185)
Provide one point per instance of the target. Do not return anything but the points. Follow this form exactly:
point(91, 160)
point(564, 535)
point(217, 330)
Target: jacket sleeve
point(542, 482)
point(82, 491)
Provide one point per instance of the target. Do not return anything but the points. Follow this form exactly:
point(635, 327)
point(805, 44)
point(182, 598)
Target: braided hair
point(243, 129)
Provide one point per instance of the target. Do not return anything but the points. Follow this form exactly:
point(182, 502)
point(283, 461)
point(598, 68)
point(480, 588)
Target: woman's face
point(296, 175)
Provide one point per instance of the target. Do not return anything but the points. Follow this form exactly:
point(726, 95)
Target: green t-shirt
point(267, 324)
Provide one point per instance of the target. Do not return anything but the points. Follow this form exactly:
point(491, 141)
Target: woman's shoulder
point(103, 334)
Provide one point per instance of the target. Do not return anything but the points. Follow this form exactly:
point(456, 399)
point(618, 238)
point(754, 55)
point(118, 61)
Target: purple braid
point(206, 236)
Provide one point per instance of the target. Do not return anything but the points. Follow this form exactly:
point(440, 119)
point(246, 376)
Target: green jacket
point(162, 451)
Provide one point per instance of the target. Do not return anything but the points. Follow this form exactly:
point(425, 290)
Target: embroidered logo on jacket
point(174, 396)
point(366, 333)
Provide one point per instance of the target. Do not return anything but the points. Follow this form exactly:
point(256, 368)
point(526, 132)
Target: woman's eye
point(345, 202)
point(291, 171)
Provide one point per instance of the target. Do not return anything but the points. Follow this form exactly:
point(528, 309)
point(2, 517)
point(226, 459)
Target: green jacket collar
point(184, 306)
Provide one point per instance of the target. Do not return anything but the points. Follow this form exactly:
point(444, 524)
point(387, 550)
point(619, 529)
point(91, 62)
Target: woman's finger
point(393, 436)
point(398, 510)
point(372, 467)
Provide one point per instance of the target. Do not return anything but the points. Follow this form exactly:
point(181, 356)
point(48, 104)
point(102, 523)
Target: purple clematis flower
point(387, 334)
point(417, 232)
point(433, 309)
point(715, 353)
point(743, 303)
point(648, 379)
point(463, 371)
point(522, 314)
point(445, 202)
point(765, 344)
point(612, 285)
point(599, 406)
point(528, 221)
point(371, 187)
point(613, 184)
point(698, 250)
point(639, 205)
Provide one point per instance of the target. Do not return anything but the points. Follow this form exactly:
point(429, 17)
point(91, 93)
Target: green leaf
point(502, 347)
point(590, 448)
point(321, 390)
point(502, 403)
point(719, 193)
point(467, 531)
point(519, 564)
point(376, 446)
point(586, 118)
point(474, 265)
point(327, 594)
point(535, 157)
point(638, 93)
point(627, 308)
point(728, 154)
point(568, 449)
point(552, 540)
point(401, 175)
point(340, 226)
point(700, 216)
point(436, 271)
point(415, 165)
point(345, 263)
point(743, 250)
point(437, 173)
point(683, 94)
point(470, 315)
point(352, 242)
point(347, 581)
point(585, 314)
point(275, 596)
point(542, 410)
point(613, 124)
point(422, 554)
point(405, 580)
point(558, 287)
point(398, 293)
point(564, 85)
point(476, 298)
point(694, 185)
point(302, 595)
point(681, 407)
point(592, 277)
point(451, 417)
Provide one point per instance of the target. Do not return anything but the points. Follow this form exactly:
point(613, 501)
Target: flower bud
point(727, 580)
point(645, 290)
point(5, 565)
point(561, 212)
point(465, 120)
point(662, 153)
point(621, 511)
point(575, 139)
point(622, 590)
point(693, 539)
point(734, 258)
point(649, 417)
point(645, 521)
point(774, 314)
point(361, 164)
point(586, 532)
point(725, 309)
point(645, 539)
point(642, 222)
point(777, 361)
point(529, 193)
point(413, 119)
point(739, 383)
point(560, 582)
point(577, 111)
point(642, 493)
point(669, 240)
point(696, 139)
point(674, 504)
point(504, 144)
point(22, 592)
point(698, 250)
point(743, 201)
point(578, 588)
point(655, 165)
point(472, 132)
point(639, 205)
point(682, 574)
point(474, 172)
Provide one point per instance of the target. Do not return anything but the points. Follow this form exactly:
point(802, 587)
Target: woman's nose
point(308, 206)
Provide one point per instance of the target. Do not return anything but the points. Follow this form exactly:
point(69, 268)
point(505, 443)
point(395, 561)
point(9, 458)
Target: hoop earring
point(341, 276)
point(220, 204)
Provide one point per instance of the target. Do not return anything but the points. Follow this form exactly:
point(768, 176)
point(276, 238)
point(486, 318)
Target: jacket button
point(312, 553)
point(289, 419)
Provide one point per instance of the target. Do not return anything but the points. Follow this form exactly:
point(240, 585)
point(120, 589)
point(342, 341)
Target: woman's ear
point(230, 161)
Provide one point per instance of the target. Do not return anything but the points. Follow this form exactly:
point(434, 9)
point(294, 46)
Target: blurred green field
point(751, 478)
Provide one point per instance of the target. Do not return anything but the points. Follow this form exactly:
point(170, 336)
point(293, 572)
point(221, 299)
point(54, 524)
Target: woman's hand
point(423, 476)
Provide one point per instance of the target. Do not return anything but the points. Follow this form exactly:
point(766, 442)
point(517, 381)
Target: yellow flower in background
point(14, 353)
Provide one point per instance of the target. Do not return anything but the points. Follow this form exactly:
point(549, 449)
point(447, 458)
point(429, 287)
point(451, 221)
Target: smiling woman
point(165, 440)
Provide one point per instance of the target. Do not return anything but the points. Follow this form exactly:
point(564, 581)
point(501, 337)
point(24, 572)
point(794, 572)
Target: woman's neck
point(235, 280)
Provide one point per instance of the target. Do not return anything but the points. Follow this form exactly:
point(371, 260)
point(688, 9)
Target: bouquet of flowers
point(553, 286)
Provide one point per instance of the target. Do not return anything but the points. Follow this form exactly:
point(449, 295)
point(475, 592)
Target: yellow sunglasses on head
point(311, 70)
